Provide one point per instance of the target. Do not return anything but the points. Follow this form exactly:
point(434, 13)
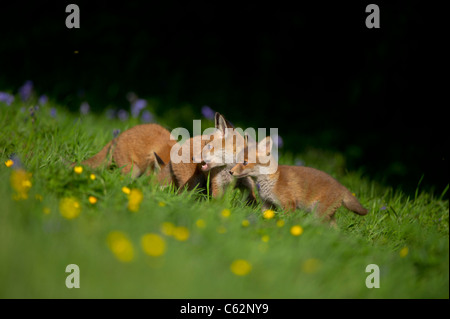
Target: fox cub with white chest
point(292, 187)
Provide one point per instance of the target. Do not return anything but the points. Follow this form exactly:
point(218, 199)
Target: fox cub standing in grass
point(133, 150)
point(294, 187)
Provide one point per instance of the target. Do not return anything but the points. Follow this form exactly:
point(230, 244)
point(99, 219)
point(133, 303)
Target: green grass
point(322, 262)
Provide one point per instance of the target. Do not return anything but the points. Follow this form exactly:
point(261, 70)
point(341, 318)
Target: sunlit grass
point(132, 239)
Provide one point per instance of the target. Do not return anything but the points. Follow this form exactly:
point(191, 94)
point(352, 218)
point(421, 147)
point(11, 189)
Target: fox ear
point(265, 146)
point(158, 162)
point(221, 123)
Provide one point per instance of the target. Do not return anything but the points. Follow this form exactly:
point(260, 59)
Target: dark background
point(314, 71)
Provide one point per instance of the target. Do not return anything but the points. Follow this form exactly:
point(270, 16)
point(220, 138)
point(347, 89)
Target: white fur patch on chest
point(265, 187)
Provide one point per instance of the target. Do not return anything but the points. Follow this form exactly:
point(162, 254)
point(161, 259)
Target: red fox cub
point(134, 149)
point(181, 174)
point(195, 172)
point(219, 157)
point(294, 187)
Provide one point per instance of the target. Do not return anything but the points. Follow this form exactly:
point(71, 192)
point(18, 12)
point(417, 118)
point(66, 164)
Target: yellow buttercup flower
point(245, 223)
point(126, 190)
point(296, 230)
point(135, 198)
point(225, 213)
point(21, 184)
point(167, 228)
point(404, 252)
point(92, 177)
point(153, 245)
point(280, 223)
point(161, 204)
point(268, 214)
point(265, 238)
point(121, 246)
point(69, 207)
point(181, 233)
point(78, 169)
point(92, 200)
point(240, 267)
point(200, 223)
point(9, 163)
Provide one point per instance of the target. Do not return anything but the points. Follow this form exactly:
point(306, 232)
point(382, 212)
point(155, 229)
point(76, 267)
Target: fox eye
point(245, 163)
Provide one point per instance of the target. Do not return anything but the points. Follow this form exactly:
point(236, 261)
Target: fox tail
point(350, 202)
point(102, 157)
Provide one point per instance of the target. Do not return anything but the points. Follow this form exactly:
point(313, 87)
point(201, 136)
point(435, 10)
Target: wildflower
point(240, 267)
point(279, 142)
point(208, 112)
point(78, 169)
point(146, 116)
point(21, 184)
point(153, 245)
point(25, 90)
point(167, 228)
point(122, 115)
point(200, 223)
point(245, 223)
point(181, 233)
point(126, 190)
point(9, 163)
point(121, 246)
point(137, 106)
point(92, 177)
point(134, 199)
point(69, 207)
point(6, 98)
point(53, 112)
point(116, 133)
point(280, 223)
point(161, 204)
point(46, 210)
point(43, 99)
point(221, 230)
point(92, 200)
point(226, 213)
point(265, 238)
point(299, 162)
point(311, 265)
point(84, 108)
point(268, 214)
point(404, 252)
point(383, 207)
point(296, 230)
point(39, 197)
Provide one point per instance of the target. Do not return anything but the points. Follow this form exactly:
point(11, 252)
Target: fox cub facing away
point(133, 150)
point(294, 187)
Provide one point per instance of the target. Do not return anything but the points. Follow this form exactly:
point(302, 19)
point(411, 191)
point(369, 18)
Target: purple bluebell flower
point(116, 133)
point(383, 207)
point(123, 115)
point(25, 90)
point(208, 112)
point(146, 117)
point(53, 112)
point(278, 141)
point(299, 162)
point(84, 108)
point(43, 99)
point(137, 106)
point(6, 98)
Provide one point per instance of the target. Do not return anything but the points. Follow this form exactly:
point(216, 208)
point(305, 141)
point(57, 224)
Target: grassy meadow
point(132, 239)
